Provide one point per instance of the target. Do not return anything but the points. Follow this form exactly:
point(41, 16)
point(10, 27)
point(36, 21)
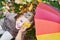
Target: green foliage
point(30, 35)
point(53, 3)
point(17, 6)
point(1, 16)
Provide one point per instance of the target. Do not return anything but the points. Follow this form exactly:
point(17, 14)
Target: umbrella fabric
point(46, 27)
point(47, 30)
point(47, 22)
point(48, 8)
point(46, 15)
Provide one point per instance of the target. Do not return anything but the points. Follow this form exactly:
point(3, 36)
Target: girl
point(23, 22)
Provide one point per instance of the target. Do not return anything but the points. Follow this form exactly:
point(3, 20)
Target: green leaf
point(17, 6)
point(1, 16)
point(53, 3)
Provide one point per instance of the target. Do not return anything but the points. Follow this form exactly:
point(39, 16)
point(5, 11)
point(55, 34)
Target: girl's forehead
point(28, 13)
point(21, 18)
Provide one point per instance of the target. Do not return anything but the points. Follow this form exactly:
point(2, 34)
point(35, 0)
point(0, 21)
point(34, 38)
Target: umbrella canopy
point(47, 22)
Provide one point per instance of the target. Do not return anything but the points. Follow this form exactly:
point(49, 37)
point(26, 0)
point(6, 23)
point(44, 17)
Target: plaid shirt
point(8, 24)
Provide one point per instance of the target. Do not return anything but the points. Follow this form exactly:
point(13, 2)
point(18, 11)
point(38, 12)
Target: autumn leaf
point(39, 0)
point(30, 8)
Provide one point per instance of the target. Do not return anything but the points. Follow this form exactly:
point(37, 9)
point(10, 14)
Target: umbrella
point(47, 22)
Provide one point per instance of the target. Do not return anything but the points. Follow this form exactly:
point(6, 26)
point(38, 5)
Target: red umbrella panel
point(48, 8)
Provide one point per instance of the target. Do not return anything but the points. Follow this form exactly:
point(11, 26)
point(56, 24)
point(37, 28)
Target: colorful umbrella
point(47, 22)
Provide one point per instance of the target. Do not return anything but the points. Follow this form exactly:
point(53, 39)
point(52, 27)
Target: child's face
point(23, 20)
point(20, 21)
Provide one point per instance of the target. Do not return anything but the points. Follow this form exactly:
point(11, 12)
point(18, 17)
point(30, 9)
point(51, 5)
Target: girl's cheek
point(17, 26)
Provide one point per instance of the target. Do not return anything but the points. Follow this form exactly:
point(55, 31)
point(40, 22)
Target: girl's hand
point(22, 29)
point(19, 35)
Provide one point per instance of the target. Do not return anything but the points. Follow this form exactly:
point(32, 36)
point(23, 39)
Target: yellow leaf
point(26, 24)
point(30, 8)
point(39, 0)
point(21, 6)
